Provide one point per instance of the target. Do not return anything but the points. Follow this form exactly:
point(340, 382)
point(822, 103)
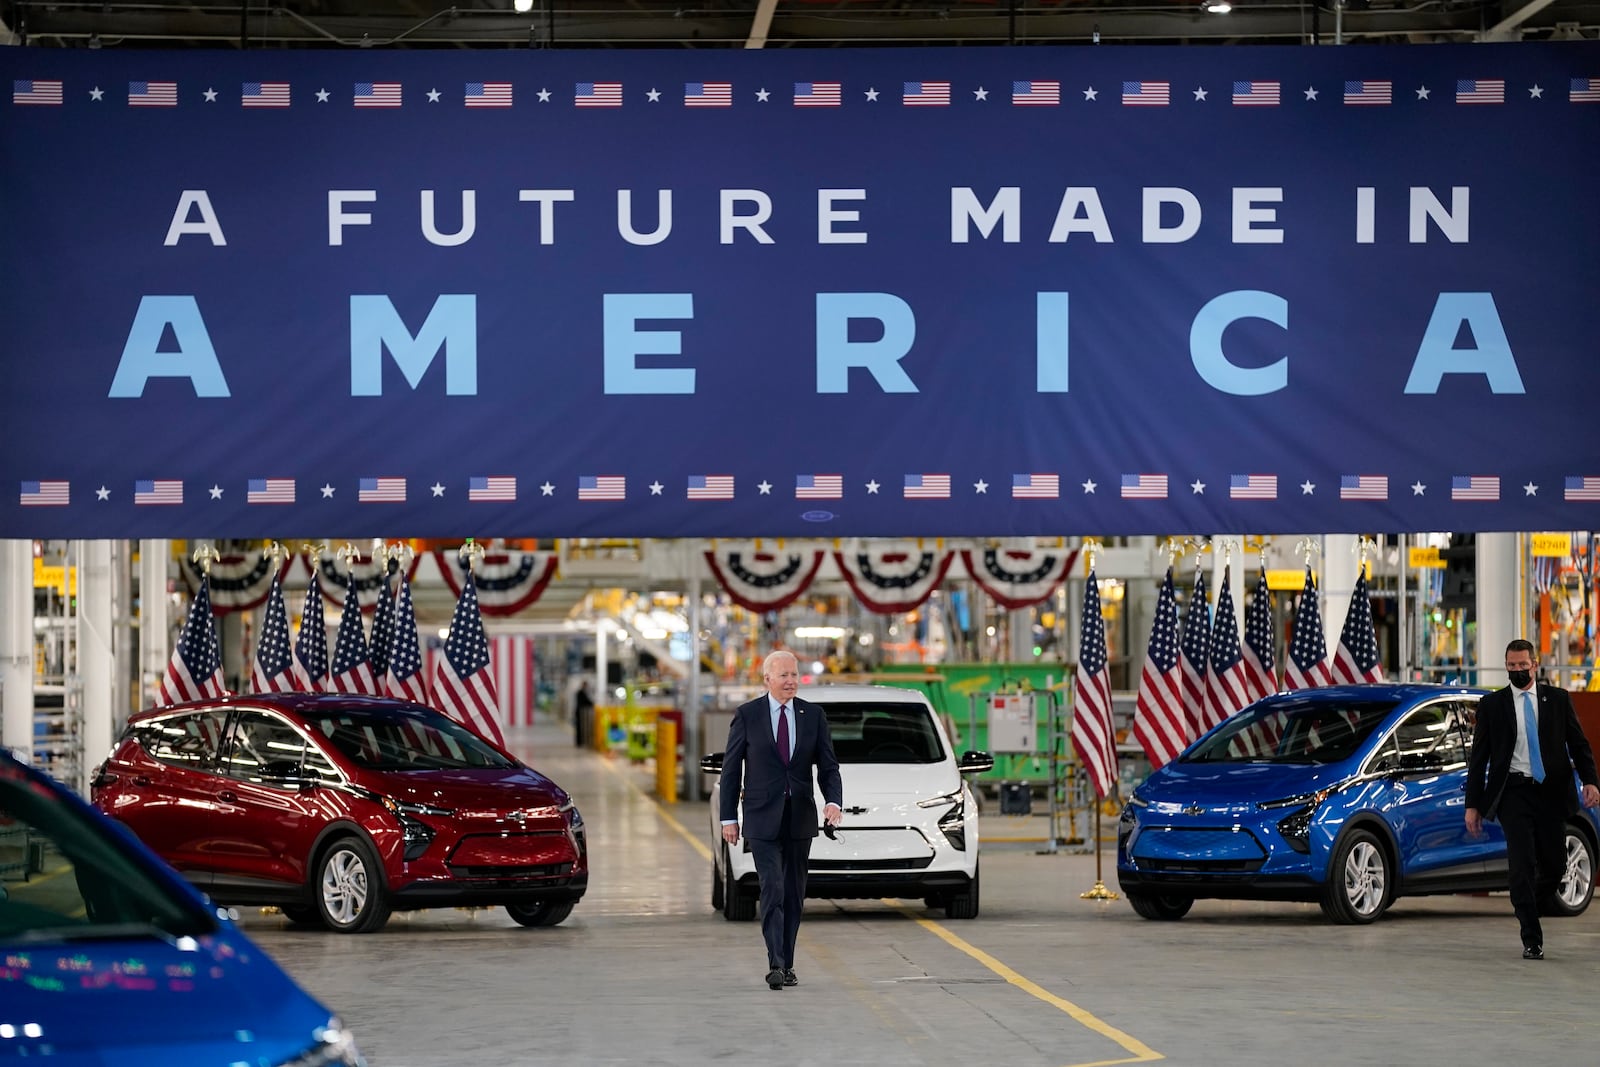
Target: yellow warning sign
point(1424, 556)
point(1555, 545)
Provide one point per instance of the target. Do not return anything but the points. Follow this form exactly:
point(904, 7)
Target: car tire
point(302, 914)
point(541, 912)
point(717, 890)
point(934, 901)
point(963, 902)
point(1162, 907)
point(737, 905)
point(1360, 883)
point(1576, 890)
point(348, 887)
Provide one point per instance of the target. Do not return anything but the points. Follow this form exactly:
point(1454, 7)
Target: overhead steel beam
point(1509, 28)
point(762, 23)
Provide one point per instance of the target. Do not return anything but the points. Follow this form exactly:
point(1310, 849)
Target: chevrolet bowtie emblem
point(1194, 809)
point(517, 816)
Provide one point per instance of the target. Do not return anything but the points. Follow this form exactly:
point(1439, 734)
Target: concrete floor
point(644, 972)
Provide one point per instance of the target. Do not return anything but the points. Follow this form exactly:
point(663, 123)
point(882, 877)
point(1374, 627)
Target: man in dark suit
point(1525, 744)
point(773, 744)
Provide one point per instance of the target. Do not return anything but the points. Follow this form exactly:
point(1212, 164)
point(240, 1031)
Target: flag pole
point(1108, 757)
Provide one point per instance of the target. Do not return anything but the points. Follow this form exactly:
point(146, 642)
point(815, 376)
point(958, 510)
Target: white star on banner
point(1199, 94)
point(765, 487)
point(211, 96)
point(1537, 92)
point(980, 486)
point(1311, 93)
point(1418, 489)
point(322, 96)
point(544, 96)
point(872, 94)
point(1307, 488)
point(1422, 92)
point(327, 492)
point(102, 493)
point(547, 489)
point(980, 93)
point(1088, 486)
point(654, 96)
point(655, 488)
point(216, 492)
point(762, 94)
point(1198, 487)
point(438, 490)
point(872, 487)
point(96, 93)
point(1530, 490)
point(433, 96)
point(1090, 93)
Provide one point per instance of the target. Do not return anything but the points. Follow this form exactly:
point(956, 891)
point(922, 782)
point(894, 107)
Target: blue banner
point(866, 292)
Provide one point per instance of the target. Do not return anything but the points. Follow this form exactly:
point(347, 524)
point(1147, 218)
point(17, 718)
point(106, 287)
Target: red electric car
point(341, 809)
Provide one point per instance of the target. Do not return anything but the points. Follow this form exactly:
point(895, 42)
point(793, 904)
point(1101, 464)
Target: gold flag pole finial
point(1174, 549)
point(1309, 547)
point(1091, 548)
point(1228, 545)
point(205, 555)
point(279, 554)
point(403, 552)
point(348, 554)
point(471, 552)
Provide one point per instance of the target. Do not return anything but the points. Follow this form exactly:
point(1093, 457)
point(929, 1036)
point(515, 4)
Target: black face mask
point(1520, 679)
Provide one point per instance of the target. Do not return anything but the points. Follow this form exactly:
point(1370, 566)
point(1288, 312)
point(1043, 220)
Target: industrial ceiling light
point(1212, 7)
point(522, 7)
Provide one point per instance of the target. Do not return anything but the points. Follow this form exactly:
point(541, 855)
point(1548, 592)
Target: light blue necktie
point(1530, 726)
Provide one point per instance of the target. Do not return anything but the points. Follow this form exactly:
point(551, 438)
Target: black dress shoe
point(775, 978)
point(1533, 952)
point(789, 978)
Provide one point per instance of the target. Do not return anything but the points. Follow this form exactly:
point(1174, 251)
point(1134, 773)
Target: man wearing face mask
point(1525, 745)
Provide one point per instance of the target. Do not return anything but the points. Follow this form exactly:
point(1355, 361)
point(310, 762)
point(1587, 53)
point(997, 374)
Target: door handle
point(141, 779)
point(227, 795)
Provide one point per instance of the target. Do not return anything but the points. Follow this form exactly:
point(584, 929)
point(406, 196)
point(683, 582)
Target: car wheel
point(1577, 882)
point(717, 891)
point(737, 905)
point(349, 888)
point(1163, 907)
point(541, 912)
point(963, 903)
point(1360, 883)
point(934, 901)
point(302, 914)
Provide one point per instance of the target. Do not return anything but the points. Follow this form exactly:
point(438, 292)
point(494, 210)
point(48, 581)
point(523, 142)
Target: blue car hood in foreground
point(152, 1002)
point(1245, 782)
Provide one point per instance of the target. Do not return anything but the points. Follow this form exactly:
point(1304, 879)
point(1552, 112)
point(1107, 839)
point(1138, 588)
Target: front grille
point(1202, 866)
point(1207, 849)
point(914, 864)
point(547, 870)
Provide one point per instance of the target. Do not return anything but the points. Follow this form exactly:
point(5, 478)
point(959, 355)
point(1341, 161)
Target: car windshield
point(403, 738)
point(882, 732)
point(64, 876)
point(1303, 731)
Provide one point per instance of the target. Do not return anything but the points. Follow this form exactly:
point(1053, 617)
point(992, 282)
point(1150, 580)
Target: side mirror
point(711, 764)
point(975, 762)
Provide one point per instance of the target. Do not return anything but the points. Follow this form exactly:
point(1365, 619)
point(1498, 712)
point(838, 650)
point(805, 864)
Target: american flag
point(25, 91)
point(926, 94)
point(1356, 659)
point(195, 672)
point(1375, 94)
point(816, 94)
point(1144, 487)
point(1035, 486)
point(1253, 487)
point(1581, 487)
point(602, 487)
point(381, 491)
point(311, 647)
point(265, 94)
point(46, 494)
point(351, 672)
point(597, 94)
point(1260, 650)
point(382, 642)
point(710, 487)
point(377, 94)
point(273, 671)
point(152, 94)
point(818, 486)
point(269, 491)
point(158, 491)
point(1094, 736)
point(1159, 722)
point(487, 94)
point(1255, 94)
point(708, 94)
point(926, 487)
point(1583, 91)
point(1307, 667)
point(1475, 487)
point(492, 487)
point(1481, 91)
point(406, 680)
point(463, 681)
point(1364, 487)
point(1194, 656)
point(1145, 94)
point(1036, 94)
point(1227, 685)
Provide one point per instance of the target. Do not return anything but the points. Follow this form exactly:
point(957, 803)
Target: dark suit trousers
point(781, 867)
point(1536, 851)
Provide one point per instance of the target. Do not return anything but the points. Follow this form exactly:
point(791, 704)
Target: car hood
point(214, 999)
point(1253, 782)
point(471, 787)
point(901, 782)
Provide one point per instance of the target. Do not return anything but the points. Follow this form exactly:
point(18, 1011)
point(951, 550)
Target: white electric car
point(910, 820)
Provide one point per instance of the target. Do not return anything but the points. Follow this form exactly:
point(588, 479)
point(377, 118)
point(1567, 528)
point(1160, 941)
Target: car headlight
point(335, 1047)
point(1137, 801)
point(1296, 826)
point(1295, 801)
point(418, 834)
point(411, 807)
point(934, 802)
point(575, 822)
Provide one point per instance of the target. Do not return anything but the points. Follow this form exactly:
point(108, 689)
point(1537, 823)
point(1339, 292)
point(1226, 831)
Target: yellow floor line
point(1139, 1051)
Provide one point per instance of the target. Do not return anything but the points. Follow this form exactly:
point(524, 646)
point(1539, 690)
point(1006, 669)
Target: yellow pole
point(667, 761)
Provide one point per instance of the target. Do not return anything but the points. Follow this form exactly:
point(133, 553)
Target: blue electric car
point(1349, 796)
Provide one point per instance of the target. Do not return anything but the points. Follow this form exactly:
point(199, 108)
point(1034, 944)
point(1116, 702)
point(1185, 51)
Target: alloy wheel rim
point(1575, 881)
point(344, 887)
point(1364, 878)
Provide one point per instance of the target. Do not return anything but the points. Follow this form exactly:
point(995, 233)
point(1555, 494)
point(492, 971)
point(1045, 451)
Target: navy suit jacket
point(1562, 747)
point(751, 762)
